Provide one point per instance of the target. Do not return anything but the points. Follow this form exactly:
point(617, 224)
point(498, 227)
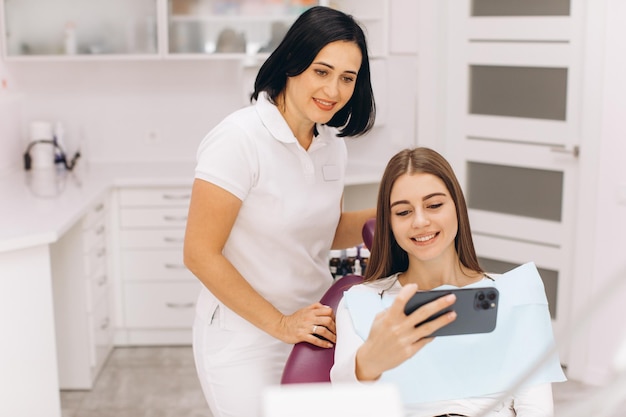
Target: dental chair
point(308, 363)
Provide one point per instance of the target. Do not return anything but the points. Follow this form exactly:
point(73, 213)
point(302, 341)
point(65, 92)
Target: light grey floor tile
point(142, 382)
point(573, 395)
point(162, 382)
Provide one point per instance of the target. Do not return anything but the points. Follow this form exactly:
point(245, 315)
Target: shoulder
point(376, 286)
point(242, 118)
point(240, 126)
point(491, 276)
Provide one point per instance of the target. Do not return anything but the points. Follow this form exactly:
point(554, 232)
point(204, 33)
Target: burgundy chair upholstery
point(308, 363)
point(368, 232)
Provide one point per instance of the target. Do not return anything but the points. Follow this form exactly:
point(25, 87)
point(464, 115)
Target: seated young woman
point(423, 242)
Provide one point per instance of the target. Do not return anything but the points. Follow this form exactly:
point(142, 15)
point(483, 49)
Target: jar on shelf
point(364, 256)
point(334, 263)
point(351, 256)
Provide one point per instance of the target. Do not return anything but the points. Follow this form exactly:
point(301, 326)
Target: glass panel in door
point(514, 91)
point(519, 191)
point(549, 277)
point(520, 8)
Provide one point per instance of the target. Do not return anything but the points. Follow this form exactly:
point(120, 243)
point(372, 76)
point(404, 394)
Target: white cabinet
point(82, 299)
point(226, 28)
point(158, 294)
point(67, 28)
point(144, 29)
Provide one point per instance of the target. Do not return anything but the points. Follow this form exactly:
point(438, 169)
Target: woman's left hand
point(395, 337)
point(311, 324)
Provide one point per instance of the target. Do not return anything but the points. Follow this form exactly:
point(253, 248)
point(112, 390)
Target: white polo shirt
point(291, 200)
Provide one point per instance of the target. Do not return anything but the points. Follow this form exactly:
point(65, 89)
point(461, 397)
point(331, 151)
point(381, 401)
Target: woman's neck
point(303, 131)
point(429, 275)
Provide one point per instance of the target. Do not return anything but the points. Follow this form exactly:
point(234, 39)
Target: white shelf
point(149, 26)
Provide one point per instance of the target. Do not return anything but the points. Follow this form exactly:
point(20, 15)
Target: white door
point(513, 131)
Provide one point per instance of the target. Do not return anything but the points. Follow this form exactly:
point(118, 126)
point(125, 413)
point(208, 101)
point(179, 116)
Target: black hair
point(312, 31)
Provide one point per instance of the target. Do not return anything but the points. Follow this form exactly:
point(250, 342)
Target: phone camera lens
point(485, 305)
point(491, 296)
point(481, 296)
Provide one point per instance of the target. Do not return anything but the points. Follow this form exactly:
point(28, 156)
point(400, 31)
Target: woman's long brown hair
point(387, 257)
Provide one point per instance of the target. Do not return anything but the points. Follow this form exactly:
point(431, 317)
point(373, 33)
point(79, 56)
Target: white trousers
point(235, 361)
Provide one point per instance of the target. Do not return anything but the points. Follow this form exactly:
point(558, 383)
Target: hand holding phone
point(476, 309)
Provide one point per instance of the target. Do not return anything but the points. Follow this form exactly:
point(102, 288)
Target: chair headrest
point(368, 232)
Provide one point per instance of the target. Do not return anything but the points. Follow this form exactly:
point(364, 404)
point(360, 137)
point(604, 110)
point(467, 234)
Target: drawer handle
point(175, 266)
point(173, 239)
point(180, 305)
point(105, 324)
point(175, 218)
point(102, 280)
point(100, 230)
point(176, 197)
point(99, 207)
point(101, 252)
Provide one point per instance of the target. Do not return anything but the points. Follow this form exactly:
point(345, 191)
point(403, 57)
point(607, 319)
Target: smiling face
point(423, 217)
point(315, 95)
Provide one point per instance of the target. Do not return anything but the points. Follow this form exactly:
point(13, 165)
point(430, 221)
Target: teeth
point(326, 103)
point(424, 238)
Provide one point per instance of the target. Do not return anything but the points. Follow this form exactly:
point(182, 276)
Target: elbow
point(190, 259)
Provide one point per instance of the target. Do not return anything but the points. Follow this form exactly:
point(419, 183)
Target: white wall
point(601, 244)
point(9, 122)
point(159, 110)
point(129, 111)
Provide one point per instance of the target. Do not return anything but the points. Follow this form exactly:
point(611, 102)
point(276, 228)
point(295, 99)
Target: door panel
point(512, 128)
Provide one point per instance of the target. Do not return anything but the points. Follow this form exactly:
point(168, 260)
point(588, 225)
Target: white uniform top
point(291, 203)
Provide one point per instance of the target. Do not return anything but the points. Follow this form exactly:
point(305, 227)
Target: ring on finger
point(314, 328)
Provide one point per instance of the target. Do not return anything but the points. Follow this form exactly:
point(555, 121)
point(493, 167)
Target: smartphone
point(476, 309)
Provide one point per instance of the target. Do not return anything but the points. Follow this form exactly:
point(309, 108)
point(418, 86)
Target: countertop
point(39, 206)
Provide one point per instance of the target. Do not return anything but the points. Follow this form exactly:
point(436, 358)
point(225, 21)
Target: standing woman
point(266, 208)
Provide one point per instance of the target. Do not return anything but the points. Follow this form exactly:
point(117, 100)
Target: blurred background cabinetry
point(78, 28)
point(144, 29)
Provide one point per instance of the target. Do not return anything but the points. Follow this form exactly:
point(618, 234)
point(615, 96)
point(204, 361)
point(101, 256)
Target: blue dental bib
point(464, 366)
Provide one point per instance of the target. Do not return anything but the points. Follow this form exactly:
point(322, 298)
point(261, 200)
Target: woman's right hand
point(309, 324)
point(394, 337)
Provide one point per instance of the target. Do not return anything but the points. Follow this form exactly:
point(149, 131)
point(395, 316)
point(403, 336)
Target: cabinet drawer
point(95, 234)
point(161, 217)
point(102, 333)
point(99, 287)
point(154, 265)
point(95, 259)
point(160, 305)
point(150, 197)
point(157, 239)
point(95, 213)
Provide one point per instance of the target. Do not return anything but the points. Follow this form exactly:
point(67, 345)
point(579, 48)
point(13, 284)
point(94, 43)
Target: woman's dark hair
point(387, 257)
point(312, 31)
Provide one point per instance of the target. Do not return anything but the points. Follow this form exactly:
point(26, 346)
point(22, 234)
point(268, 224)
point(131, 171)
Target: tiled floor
point(162, 382)
point(142, 382)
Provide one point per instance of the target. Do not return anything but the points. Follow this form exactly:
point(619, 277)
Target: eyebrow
point(332, 67)
point(426, 197)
